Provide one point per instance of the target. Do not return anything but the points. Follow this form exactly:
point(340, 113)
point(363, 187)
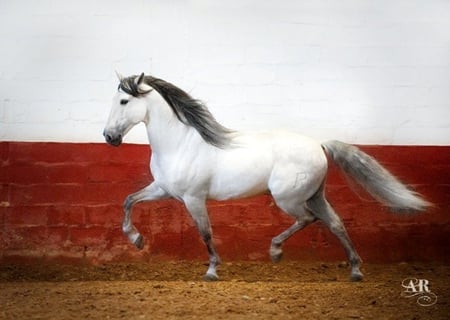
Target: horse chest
point(179, 177)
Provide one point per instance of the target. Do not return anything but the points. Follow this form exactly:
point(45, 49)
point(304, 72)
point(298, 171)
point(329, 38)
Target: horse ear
point(119, 76)
point(140, 79)
point(142, 87)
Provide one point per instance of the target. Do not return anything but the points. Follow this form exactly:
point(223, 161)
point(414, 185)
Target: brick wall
point(367, 73)
point(63, 202)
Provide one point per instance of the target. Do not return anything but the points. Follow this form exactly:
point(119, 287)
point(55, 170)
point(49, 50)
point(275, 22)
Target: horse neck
point(166, 133)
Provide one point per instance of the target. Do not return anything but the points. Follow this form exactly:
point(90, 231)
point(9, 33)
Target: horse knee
point(336, 227)
point(128, 203)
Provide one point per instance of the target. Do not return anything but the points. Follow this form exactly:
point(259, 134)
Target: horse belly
point(240, 176)
point(236, 187)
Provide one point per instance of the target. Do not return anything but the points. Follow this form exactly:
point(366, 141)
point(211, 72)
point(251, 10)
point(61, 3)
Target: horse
point(194, 158)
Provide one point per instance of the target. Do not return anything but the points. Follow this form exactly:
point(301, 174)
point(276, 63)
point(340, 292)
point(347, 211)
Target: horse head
point(128, 108)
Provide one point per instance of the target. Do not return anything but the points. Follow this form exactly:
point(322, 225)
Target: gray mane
point(188, 110)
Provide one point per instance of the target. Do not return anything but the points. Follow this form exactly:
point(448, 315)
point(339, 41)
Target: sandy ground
point(175, 290)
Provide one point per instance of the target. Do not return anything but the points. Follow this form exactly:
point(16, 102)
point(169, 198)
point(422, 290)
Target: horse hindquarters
point(296, 177)
point(298, 189)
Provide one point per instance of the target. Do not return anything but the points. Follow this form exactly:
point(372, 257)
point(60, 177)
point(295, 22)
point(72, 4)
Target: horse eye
point(123, 102)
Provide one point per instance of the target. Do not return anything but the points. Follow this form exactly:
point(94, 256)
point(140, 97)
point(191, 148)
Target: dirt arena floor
point(247, 290)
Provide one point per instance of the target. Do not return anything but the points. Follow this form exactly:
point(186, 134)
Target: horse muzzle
point(112, 139)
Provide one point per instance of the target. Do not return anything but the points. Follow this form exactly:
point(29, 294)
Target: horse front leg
point(149, 193)
point(197, 209)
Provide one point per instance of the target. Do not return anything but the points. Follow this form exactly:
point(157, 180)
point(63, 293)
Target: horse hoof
point(356, 277)
point(210, 277)
point(139, 243)
point(276, 257)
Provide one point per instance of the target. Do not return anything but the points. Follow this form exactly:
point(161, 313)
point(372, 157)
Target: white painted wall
point(375, 72)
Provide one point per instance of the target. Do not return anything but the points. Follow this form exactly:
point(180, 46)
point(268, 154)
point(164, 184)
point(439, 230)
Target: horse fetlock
point(215, 260)
point(355, 262)
point(128, 203)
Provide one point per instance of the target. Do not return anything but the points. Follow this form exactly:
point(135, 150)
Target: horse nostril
point(110, 139)
point(113, 140)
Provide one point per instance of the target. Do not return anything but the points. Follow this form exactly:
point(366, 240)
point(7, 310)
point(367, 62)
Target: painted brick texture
point(63, 202)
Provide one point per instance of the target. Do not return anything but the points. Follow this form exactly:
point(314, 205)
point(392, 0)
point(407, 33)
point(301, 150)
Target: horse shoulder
point(184, 172)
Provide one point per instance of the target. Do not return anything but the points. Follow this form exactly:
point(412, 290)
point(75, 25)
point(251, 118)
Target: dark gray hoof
point(356, 277)
point(139, 243)
point(276, 257)
point(210, 277)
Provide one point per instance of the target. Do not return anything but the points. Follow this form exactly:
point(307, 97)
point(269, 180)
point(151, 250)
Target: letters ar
point(416, 285)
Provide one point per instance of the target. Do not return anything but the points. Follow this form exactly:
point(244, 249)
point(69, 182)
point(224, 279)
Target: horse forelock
point(188, 110)
point(130, 86)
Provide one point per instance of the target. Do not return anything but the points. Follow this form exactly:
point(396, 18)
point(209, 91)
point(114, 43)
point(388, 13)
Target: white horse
point(194, 158)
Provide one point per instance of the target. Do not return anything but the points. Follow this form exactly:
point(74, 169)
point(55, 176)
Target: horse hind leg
point(320, 207)
point(292, 205)
point(303, 219)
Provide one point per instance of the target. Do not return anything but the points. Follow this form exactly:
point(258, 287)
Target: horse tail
point(381, 184)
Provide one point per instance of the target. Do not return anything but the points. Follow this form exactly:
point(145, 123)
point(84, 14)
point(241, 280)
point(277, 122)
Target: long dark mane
point(188, 110)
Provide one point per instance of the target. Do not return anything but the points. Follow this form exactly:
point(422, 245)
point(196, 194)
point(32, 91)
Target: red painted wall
point(63, 202)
